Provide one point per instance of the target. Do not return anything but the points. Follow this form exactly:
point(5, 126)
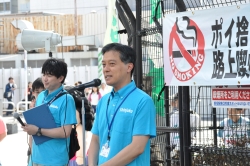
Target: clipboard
point(41, 117)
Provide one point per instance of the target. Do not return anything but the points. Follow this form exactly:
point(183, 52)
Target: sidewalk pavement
point(13, 149)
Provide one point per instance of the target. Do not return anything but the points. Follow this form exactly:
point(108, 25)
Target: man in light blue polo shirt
point(236, 129)
point(125, 117)
point(53, 152)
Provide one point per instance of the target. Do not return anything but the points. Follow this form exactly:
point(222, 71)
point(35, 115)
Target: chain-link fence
point(201, 141)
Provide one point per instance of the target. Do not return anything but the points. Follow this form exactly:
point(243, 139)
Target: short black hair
point(38, 83)
point(127, 54)
point(11, 78)
point(176, 97)
point(55, 67)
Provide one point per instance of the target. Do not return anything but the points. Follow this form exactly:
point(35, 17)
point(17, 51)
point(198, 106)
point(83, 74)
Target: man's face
point(233, 112)
point(116, 73)
point(51, 82)
point(34, 96)
point(103, 86)
point(11, 81)
point(175, 104)
point(37, 91)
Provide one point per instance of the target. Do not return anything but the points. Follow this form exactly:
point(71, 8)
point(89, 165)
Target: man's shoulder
point(225, 121)
point(141, 93)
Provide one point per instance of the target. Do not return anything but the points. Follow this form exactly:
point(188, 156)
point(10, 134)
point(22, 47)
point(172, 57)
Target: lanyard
point(54, 97)
point(112, 120)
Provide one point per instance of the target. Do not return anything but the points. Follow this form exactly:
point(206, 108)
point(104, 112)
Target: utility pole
point(76, 25)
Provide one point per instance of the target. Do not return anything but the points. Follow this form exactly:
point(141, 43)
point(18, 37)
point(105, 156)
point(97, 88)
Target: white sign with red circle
point(204, 47)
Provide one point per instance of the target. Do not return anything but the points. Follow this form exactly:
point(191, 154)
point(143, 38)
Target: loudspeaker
point(34, 39)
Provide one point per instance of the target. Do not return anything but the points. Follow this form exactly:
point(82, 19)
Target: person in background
point(174, 122)
point(87, 91)
point(3, 131)
point(89, 118)
point(28, 92)
point(37, 87)
point(9, 88)
point(94, 97)
point(54, 151)
point(125, 118)
point(236, 128)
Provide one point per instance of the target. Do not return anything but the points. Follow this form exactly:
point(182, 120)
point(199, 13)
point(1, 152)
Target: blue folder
point(41, 117)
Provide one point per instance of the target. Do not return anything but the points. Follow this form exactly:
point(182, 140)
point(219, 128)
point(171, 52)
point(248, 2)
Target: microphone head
point(16, 115)
point(97, 82)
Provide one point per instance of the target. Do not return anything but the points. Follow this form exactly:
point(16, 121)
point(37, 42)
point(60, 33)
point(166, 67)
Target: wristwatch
point(39, 133)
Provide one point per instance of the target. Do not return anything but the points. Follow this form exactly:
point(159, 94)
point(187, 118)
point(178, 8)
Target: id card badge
point(105, 150)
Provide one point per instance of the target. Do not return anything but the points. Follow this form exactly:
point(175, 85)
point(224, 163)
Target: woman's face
point(94, 89)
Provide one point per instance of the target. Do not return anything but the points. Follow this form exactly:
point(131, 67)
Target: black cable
point(162, 89)
point(64, 128)
point(198, 97)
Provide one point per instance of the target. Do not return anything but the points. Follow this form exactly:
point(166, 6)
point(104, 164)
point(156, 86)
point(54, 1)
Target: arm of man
point(93, 150)
point(59, 132)
point(130, 152)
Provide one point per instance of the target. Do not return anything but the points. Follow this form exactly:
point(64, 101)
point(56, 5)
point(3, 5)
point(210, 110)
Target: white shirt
point(105, 90)
point(174, 122)
point(94, 98)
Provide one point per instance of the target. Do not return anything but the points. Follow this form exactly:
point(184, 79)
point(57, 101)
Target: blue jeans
point(94, 107)
point(10, 106)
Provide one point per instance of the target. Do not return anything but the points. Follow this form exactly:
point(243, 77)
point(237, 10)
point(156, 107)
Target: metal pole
point(168, 149)
point(186, 125)
point(83, 134)
point(1, 107)
point(26, 79)
point(76, 24)
point(214, 126)
point(181, 157)
point(138, 46)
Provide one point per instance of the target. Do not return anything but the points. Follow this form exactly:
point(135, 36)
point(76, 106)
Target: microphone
point(16, 115)
point(95, 82)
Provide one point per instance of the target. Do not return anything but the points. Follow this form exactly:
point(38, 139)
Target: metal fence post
point(167, 111)
point(138, 45)
point(186, 125)
point(1, 107)
point(181, 126)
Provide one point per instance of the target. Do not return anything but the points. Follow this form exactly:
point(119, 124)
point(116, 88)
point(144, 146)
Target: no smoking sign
point(194, 57)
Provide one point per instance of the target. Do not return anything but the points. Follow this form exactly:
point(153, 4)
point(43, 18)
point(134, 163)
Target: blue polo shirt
point(234, 132)
point(54, 151)
point(135, 116)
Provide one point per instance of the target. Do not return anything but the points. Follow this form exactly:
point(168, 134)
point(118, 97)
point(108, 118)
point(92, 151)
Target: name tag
point(105, 150)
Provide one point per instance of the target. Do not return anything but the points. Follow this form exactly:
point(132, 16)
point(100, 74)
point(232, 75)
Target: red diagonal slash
point(183, 50)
